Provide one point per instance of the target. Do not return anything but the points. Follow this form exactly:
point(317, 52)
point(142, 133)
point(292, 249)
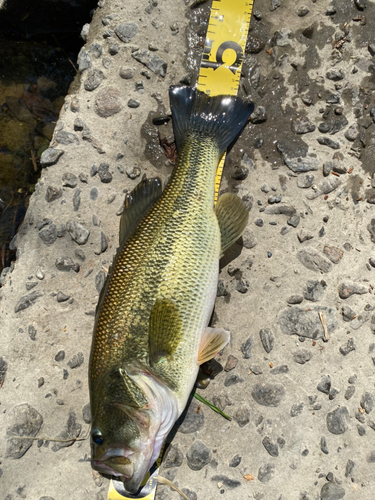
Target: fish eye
point(97, 437)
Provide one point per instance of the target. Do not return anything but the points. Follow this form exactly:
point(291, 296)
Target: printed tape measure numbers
point(220, 72)
point(223, 54)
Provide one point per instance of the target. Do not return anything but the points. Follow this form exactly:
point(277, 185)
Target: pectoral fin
point(165, 330)
point(136, 203)
point(232, 216)
point(212, 341)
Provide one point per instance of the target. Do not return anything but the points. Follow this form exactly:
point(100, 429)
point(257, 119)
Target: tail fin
point(221, 117)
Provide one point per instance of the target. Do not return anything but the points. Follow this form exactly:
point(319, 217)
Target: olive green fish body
point(151, 326)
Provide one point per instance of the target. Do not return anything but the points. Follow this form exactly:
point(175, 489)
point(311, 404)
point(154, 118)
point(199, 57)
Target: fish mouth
point(118, 466)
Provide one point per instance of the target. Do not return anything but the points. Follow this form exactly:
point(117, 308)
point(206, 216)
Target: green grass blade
point(213, 407)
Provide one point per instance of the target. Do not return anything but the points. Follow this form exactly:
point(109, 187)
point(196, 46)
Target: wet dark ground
point(39, 43)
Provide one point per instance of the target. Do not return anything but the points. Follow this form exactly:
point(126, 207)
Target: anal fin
point(232, 216)
point(212, 341)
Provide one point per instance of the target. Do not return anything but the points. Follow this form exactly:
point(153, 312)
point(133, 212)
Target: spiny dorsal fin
point(212, 341)
point(232, 216)
point(136, 203)
point(165, 330)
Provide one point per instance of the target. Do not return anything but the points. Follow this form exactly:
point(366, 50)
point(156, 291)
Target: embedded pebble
point(306, 323)
point(268, 394)
point(232, 379)
point(302, 126)
point(126, 31)
point(93, 80)
point(94, 193)
point(295, 299)
point(39, 274)
point(235, 461)
point(248, 238)
point(226, 481)
point(104, 174)
point(314, 260)
point(302, 11)
point(133, 172)
point(271, 446)
point(302, 356)
point(76, 361)
point(349, 393)
point(352, 133)
point(347, 348)
point(296, 410)
point(231, 363)
point(198, 455)
point(153, 62)
point(259, 115)
point(323, 445)
point(68, 435)
point(53, 193)
point(126, 73)
point(246, 348)
point(293, 221)
point(86, 414)
point(333, 253)
point(60, 356)
point(78, 233)
point(349, 288)
point(50, 157)
point(61, 297)
point(242, 284)
point(48, 234)
point(305, 181)
point(331, 491)
point(325, 384)
point(27, 301)
point(132, 103)
point(279, 369)
point(108, 102)
point(76, 199)
point(337, 420)
point(66, 264)
point(3, 371)
point(367, 402)
point(267, 339)
point(304, 235)
point(191, 420)
point(242, 416)
point(24, 421)
point(69, 180)
point(314, 290)
point(174, 457)
point(266, 473)
point(66, 138)
point(99, 280)
point(326, 141)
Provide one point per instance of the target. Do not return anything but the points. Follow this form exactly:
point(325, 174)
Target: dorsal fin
point(136, 203)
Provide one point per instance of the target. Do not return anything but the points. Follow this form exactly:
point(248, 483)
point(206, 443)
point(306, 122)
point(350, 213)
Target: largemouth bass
point(151, 331)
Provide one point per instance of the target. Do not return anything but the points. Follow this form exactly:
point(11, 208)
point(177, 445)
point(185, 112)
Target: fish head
point(131, 416)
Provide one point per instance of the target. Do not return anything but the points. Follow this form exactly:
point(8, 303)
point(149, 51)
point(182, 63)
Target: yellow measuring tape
point(220, 72)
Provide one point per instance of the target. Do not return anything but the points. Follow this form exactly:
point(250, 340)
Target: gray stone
point(347, 348)
point(305, 181)
point(153, 62)
point(48, 234)
point(304, 235)
point(86, 413)
point(367, 402)
point(335, 75)
point(306, 323)
point(132, 103)
point(53, 193)
point(3, 371)
point(242, 416)
point(349, 288)
point(232, 379)
point(266, 472)
point(30, 285)
point(259, 115)
point(61, 231)
point(242, 284)
point(60, 356)
point(302, 356)
point(349, 393)
point(314, 261)
point(174, 457)
point(268, 394)
point(84, 60)
point(326, 141)
point(293, 221)
point(371, 230)
point(352, 133)
point(333, 253)
point(271, 446)
point(323, 445)
point(267, 339)
point(314, 290)
point(27, 300)
point(126, 31)
point(198, 455)
point(93, 80)
point(281, 210)
point(69, 180)
point(325, 187)
point(325, 384)
point(68, 435)
point(25, 421)
point(76, 199)
point(246, 348)
point(76, 361)
point(103, 244)
point(235, 462)
point(337, 420)
point(349, 468)
point(66, 264)
point(191, 421)
point(133, 172)
point(302, 126)
point(95, 50)
point(104, 173)
point(66, 138)
point(61, 297)
point(94, 193)
point(371, 457)
point(100, 280)
point(78, 233)
point(296, 410)
point(108, 102)
point(331, 491)
point(50, 157)
point(248, 239)
point(302, 11)
point(126, 73)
